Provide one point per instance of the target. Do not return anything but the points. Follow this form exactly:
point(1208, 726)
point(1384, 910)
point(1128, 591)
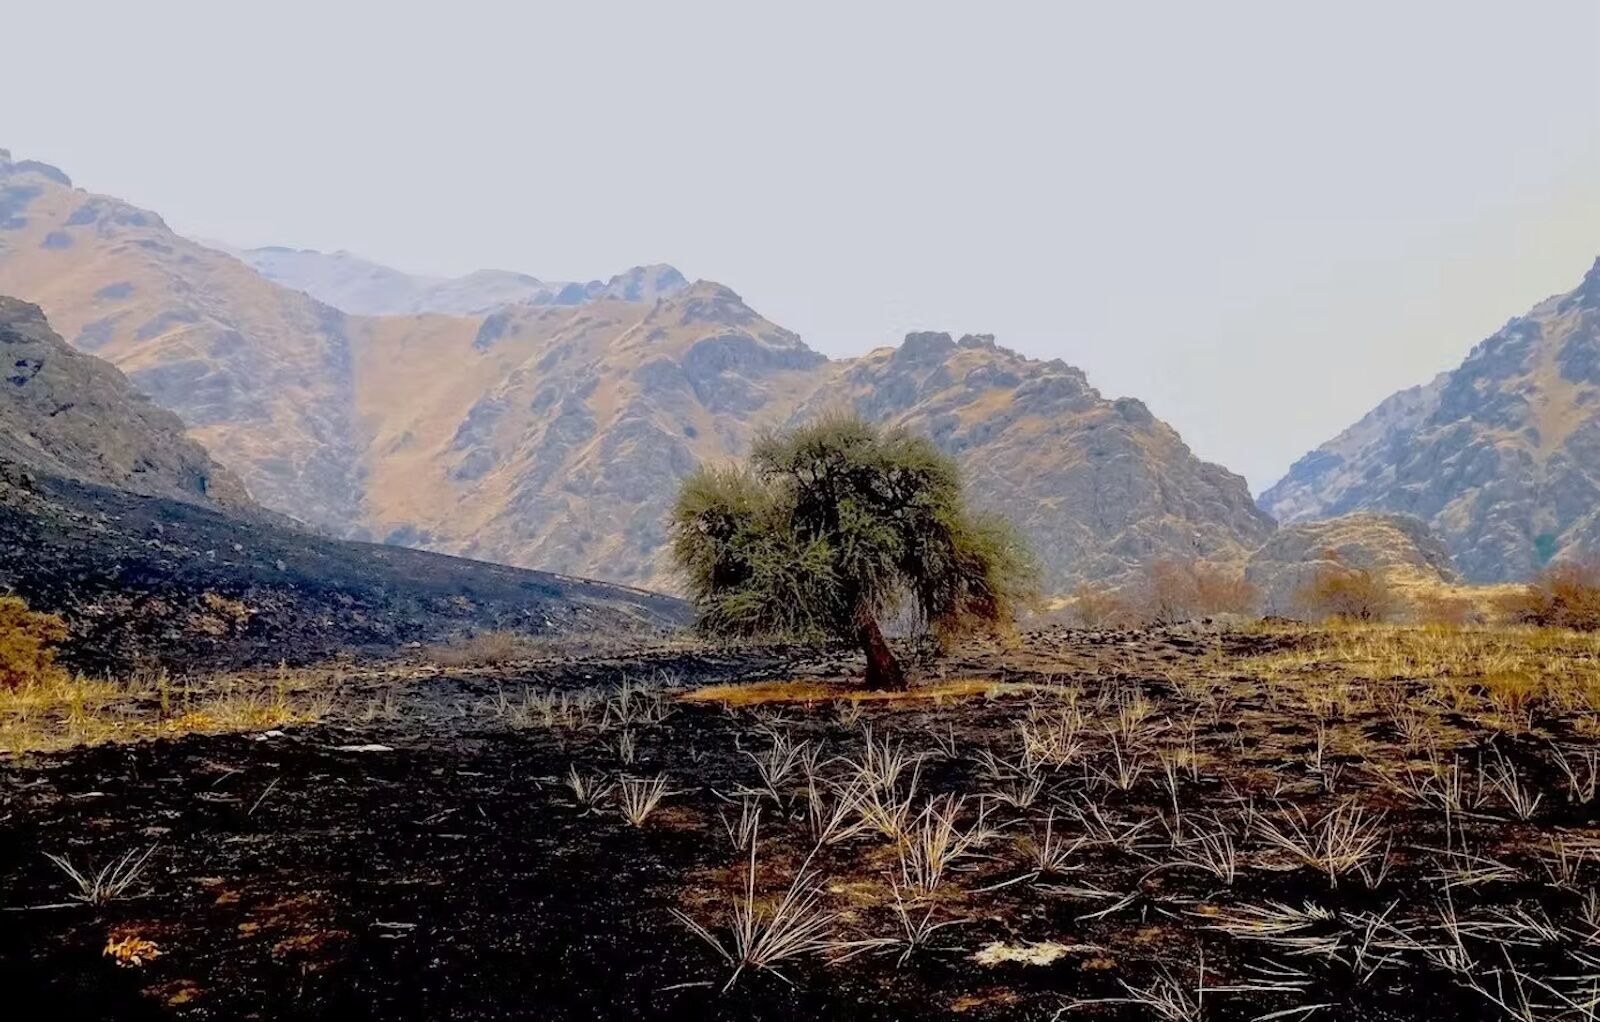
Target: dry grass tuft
point(805, 692)
point(484, 649)
point(61, 711)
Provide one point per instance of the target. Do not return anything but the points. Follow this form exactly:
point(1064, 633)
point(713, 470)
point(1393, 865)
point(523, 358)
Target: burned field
point(1377, 823)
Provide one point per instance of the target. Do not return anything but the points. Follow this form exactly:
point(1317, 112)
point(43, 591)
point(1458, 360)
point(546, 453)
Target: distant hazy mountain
point(1500, 455)
point(552, 433)
point(360, 286)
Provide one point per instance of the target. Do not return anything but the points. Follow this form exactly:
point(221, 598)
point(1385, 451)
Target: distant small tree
point(1166, 593)
point(1564, 595)
point(1444, 609)
point(1349, 594)
point(1173, 590)
point(1096, 605)
point(1220, 590)
point(832, 526)
point(27, 638)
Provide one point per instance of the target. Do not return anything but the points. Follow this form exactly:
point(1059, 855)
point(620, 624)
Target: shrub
point(1348, 594)
point(1564, 595)
point(27, 638)
point(485, 649)
point(1098, 606)
point(1446, 610)
point(1221, 591)
point(1174, 590)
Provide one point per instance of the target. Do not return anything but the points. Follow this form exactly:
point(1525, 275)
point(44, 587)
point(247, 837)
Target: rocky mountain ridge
point(114, 518)
point(552, 433)
point(1501, 455)
point(362, 287)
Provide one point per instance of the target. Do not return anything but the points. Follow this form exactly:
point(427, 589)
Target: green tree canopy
point(833, 525)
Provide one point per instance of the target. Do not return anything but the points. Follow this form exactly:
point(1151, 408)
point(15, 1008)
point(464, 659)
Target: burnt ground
point(146, 581)
point(453, 875)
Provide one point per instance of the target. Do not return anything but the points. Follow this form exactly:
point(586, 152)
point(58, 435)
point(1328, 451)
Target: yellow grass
point(1497, 675)
point(63, 712)
point(816, 691)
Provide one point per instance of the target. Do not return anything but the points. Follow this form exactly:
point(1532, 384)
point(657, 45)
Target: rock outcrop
point(1399, 548)
point(1501, 456)
point(69, 414)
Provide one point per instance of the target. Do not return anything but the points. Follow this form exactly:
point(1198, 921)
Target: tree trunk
point(883, 670)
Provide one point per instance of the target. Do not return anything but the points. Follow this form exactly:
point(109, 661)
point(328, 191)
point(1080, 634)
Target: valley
point(551, 432)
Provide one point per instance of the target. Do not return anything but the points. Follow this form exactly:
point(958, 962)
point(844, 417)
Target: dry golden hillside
point(551, 433)
point(555, 435)
point(260, 374)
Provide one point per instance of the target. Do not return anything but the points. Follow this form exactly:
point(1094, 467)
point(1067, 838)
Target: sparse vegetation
point(481, 649)
point(62, 710)
point(1313, 812)
point(27, 645)
point(1171, 591)
point(112, 881)
point(1565, 595)
point(638, 797)
point(1343, 593)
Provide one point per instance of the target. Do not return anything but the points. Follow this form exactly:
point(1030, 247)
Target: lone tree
point(832, 526)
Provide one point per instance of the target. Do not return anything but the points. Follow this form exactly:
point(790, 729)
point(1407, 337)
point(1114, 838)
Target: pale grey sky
point(1261, 218)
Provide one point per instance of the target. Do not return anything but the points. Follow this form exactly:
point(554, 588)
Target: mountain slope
point(1100, 487)
point(259, 373)
point(74, 415)
point(112, 517)
point(555, 435)
point(1501, 456)
point(1398, 548)
point(558, 435)
point(552, 432)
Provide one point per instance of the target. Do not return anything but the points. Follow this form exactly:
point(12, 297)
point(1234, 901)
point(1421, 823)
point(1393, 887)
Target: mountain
point(259, 373)
point(551, 431)
point(555, 435)
point(111, 516)
point(1099, 486)
point(356, 285)
point(74, 415)
point(1501, 455)
point(1399, 548)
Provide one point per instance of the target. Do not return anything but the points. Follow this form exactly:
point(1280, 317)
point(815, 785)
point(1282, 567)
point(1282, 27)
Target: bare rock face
point(1501, 456)
point(1398, 547)
point(66, 413)
point(551, 429)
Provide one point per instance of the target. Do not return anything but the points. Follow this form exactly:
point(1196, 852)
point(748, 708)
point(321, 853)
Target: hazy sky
point(1261, 218)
